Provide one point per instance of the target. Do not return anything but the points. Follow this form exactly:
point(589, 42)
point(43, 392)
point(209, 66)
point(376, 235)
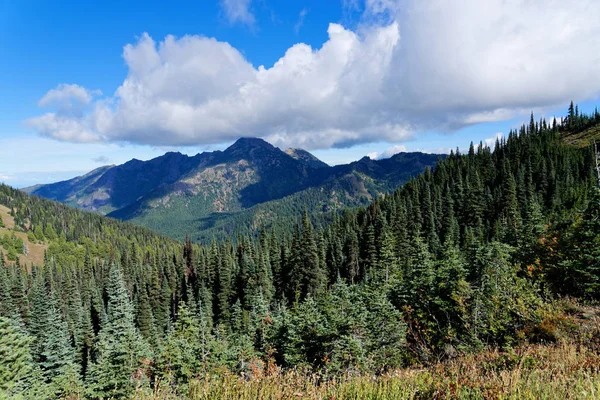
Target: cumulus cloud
point(428, 66)
point(68, 98)
point(68, 128)
point(68, 122)
point(238, 11)
point(67, 94)
point(387, 153)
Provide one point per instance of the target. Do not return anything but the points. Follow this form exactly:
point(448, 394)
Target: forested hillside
point(469, 255)
point(248, 185)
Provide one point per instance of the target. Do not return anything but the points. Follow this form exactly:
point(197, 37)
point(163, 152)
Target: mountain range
point(249, 184)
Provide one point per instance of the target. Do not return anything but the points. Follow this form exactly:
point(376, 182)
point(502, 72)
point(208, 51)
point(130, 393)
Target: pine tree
point(223, 291)
point(571, 116)
point(18, 293)
point(16, 363)
point(351, 264)
point(38, 322)
point(145, 318)
point(369, 251)
point(7, 308)
point(583, 263)
point(121, 349)
point(387, 256)
point(502, 301)
point(510, 205)
point(313, 277)
point(58, 361)
point(293, 267)
point(180, 359)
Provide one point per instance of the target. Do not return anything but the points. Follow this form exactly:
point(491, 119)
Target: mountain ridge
point(174, 193)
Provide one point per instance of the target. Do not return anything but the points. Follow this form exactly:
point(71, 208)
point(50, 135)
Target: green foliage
point(461, 257)
point(582, 262)
point(16, 363)
point(121, 351)
point(503, 302)
point(7, 308)
point(60, 371)
point(12, 243)
point(181, 357)
point(349, 329)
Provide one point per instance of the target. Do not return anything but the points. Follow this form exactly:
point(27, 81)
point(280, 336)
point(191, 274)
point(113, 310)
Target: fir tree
point(583, 264)
point(7, 308)
point(16, 363)
point(180, 358)
point(59, 367)
point(121, 349)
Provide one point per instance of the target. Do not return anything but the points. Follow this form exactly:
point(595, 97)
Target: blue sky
point(372, 77)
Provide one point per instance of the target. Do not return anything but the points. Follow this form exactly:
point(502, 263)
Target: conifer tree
point(16, 363)
point(352, 266)
point(387, 257)
point(583, 262)
point(510, 205)
point(180, 359)
point(18, 293)
point(145, 317)
point(7, 308)
point(38, 323)
point(59, 367)
point(121, 349)
point(223, 290)
point(313, 277)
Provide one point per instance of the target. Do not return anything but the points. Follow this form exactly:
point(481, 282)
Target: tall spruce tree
point(59, 366)
point(583, 263)
point(16, 363)
point(119, 365)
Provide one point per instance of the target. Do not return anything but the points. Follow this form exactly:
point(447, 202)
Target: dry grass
point(561, 372)
point(9, 221)
point(36, 250)
point(583, 138)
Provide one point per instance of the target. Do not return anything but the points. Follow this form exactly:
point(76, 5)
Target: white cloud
point(68, 98)
point(430, 65)
point(382, 7)
point(238, 11)
point(68, 128)
point(300, 22)
point(387, 153)
point(491, 141)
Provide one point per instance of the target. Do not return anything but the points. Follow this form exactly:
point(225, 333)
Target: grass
point(564, 371)
point(36, 250)
point(583, 138)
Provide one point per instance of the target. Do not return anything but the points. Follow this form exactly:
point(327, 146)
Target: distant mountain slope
point(109, 188)
point(249, 184)
point(306, 157)
point(66, 190)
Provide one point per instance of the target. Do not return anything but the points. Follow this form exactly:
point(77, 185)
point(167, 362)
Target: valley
point(220, 193)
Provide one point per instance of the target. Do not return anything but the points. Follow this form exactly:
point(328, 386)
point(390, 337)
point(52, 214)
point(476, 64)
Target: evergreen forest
point(493, 249)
